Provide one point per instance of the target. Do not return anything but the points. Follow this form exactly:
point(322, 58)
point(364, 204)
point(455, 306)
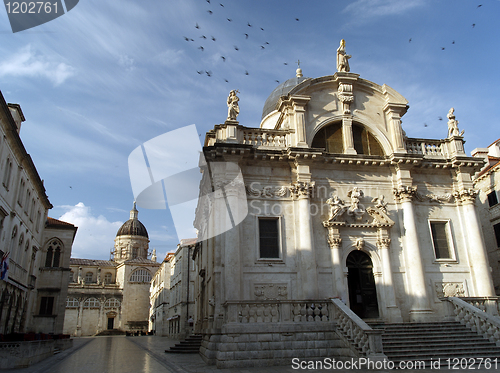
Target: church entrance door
point(111, 323)
point(361, 283)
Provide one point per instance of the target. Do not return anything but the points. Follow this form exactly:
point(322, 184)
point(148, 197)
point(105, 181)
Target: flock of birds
point(248, 34)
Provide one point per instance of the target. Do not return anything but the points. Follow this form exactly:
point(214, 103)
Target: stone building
point(172, 293)
point(33, 290)
point(345, 217)
point(487, 181)
point(112, 294)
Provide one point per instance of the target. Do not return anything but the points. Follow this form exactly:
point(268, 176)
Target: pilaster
point(394, 112)
point(299, 108)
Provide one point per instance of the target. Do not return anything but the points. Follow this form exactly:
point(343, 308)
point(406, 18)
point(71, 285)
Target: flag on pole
point(4, 267)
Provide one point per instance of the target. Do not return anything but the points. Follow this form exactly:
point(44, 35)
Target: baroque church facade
point(340, 215)
point(112, 295)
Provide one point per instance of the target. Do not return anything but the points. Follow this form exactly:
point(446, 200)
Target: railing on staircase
point(479, 321)
point(367, 341)
point(490, 305)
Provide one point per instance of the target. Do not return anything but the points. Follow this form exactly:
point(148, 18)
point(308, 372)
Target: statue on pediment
point(453, 124)
point(336, 207)
point(342, 58)
point(232, 105)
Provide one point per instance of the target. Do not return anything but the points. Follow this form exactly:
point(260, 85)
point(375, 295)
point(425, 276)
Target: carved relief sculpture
point(302, 188)
point(355, 194)
point(346, 97)
point(380, 203)
point(450, 289)
point(337, 207)
point(232, 105)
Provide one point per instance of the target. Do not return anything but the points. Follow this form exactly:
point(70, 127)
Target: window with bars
point(72, 303)
point(492, 198)
point(112, 303)
point(92, 303)
point(140, 275)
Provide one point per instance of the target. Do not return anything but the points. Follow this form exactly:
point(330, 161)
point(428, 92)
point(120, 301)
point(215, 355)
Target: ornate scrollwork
point(334, 241)
point(450, 289)
point(466, 195)
point(267, 191)
point(383, 242)
point(405, 193)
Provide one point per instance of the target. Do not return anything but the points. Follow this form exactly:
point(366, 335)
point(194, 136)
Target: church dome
point(282, 90)
point(133, 227)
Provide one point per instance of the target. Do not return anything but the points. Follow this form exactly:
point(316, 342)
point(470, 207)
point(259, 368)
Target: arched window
point(108, 278)
point(112, 303)
point(7, 173)
point(89, 276)
point(330, 138)
point(53, 253)
point(72, 303)
point(91, 303)
point(140, 275)
point(365, 142)
point(22, 185)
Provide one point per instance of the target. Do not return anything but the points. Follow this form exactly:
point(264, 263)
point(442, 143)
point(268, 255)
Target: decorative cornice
point(267, 191)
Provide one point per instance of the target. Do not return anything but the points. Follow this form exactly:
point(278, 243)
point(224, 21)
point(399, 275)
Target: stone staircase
point(429, 342)
point(191, 345)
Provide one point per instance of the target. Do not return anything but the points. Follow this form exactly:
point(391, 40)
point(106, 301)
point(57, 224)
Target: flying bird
point(208, 1)
point(236, 48)
point(187, 39)
point(267, 43)
point(203, 37)
point(209, 73)
point(246, 36)
point(221, 5)
point(480, 5)
point(262, 29)
point(213, 39)
point(440, 118)
point(199, 72)
point(246, 73)
point(249, 25)
point(453, 42)
point(262, 47)
point(285, 63)
point(425, 125)
point(409, 41)
point(473, 25)
point(442, 48)
point(229, 19)
point(223, 58)
point(197, 26)
point(296, 19)
point(201, 48)
point(227, 81)
point(277, 81)
point(210, 12)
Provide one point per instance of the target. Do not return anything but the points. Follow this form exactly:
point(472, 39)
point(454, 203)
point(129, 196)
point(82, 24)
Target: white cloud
point(27, 63)
point(95, 235)
point(374, 8)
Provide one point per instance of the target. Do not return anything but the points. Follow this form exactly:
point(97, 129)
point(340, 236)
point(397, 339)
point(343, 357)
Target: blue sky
point(109, 75)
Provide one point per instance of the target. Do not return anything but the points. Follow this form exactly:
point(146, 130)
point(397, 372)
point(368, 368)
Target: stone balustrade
point(257, 137)
point(18, 273)
point(366, 340)
point(479, 321)
point(490, 305)
point(275, 311)
point(433, 148)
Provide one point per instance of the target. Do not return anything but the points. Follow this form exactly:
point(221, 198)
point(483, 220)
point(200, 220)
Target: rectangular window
point(46, 305)
point(496, 227)
point(269, 240)
point(440, 240)
point(492, 199)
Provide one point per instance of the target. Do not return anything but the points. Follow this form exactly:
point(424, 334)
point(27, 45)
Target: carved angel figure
point(380, 203)
point(232, 104)
point(355, 194)
point(336, 207)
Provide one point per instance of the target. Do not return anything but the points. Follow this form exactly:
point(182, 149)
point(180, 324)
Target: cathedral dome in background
point(133, 227)
point(282, 90)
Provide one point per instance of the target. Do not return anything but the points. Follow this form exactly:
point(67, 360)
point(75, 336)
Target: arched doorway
point(361, 283)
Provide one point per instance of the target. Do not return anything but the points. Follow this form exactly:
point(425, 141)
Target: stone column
point(301, 191)
point(78, 331)
point(393, 311)
point(299, 107)
point(478, 259)
point(419, 298)
point(335, 243)
point(347, 134)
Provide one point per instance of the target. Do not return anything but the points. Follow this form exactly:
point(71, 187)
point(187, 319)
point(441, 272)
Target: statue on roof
point(453, 124)
point(232, 104)
point(342, 58)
